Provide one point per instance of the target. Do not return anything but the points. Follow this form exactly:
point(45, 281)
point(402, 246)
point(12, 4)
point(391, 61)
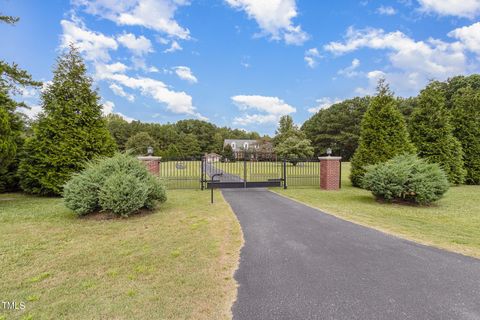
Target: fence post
point(202, 172)
point(284, 174)
point(244, 170)
point(152, 163)
point(330, 172)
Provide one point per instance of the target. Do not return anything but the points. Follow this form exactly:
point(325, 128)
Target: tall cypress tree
point(383, 134)
point(69, 131)
point(466, 112)
point(432, 133)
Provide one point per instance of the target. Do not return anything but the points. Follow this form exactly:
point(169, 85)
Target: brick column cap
point(149, 158)
point(329, 158)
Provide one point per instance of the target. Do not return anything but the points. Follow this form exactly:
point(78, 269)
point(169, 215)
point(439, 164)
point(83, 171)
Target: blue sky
point(244, 63)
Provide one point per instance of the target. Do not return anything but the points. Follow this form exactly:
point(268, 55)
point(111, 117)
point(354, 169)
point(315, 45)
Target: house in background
point(255, 148)
point(212, 157)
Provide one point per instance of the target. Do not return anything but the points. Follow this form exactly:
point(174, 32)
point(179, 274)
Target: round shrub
point(120, 184)
point(122, 194)
point(406, 178)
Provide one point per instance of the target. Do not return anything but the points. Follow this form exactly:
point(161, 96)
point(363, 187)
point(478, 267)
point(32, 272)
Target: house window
point(245, 146)
point(233, 145)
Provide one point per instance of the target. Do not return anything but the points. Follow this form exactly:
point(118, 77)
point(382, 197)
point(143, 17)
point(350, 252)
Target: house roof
point(239, 141)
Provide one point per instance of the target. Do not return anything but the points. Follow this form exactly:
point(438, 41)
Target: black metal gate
point(245, 171)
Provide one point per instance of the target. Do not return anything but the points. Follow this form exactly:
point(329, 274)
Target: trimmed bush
point(123, 194)
point(120, 184)
point(406, 178)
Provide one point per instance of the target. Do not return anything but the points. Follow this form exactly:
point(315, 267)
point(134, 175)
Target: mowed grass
point(175, 263)
point(453, 223)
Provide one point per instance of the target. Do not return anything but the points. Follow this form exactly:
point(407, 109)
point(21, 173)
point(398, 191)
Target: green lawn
point(453, 223)
point(175, 263)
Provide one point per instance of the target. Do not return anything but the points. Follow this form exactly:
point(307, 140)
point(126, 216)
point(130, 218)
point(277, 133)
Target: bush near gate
point(120, 184)
point(406, 178)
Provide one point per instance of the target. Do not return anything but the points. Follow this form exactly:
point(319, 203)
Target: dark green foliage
point(466, 112)
point(228, 153)
point(432, 134)
point(119, 129)
point(383, 134)
point(69, 132)
point(294, 149)
point(337, 127)
point(406, 178)
point(11, 123)
point(139, 143)
point(120, 184)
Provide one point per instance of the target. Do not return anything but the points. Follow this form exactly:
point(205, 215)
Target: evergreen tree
point(383, 134)
point(432, 134)
point(466, 112)
point(139, 143)
point(11, 123)
point(70, 130)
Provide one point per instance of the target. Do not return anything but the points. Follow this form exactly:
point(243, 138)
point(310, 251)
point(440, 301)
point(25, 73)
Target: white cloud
point(324, 103)
point(386, 11)
point(158, 15)
point(138, 45)
point(185, 73)
point(108, 107)
point(413, 62)
point(311, 56)
point(274, 18)
point(175, 46)
point(350, 71)
point(32, 111)
point(469, 36)
point(118, 90)
point(176, 101)
point(94, 45)
point(271, 108)
point(460, 8)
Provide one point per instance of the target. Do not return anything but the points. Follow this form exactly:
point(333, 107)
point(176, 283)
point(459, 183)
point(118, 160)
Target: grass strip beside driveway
point(175, 263)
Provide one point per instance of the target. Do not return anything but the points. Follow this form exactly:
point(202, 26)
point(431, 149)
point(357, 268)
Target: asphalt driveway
point(299, 263)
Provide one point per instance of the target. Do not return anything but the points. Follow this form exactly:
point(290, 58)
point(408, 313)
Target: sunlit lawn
point(453, 223)
point(175, 263)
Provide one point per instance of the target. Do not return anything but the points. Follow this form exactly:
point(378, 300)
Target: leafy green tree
point(69, 132)
point(286, 129)
point(139, 143)
point(11, 123)
point(466, 112)
point(119, 129)
point(383, 134)
point(228, 153)
point(432, 134)
point(188, 146)
point(294, 149)
point(337, 127)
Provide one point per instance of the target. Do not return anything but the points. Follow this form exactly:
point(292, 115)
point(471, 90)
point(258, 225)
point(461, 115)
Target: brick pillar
point(152, 164)
point(330, 173)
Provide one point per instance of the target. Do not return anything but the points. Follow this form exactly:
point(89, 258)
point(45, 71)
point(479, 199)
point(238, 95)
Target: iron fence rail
point(247, 171)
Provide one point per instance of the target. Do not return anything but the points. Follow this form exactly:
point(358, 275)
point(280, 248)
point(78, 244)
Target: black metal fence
point(244, 172)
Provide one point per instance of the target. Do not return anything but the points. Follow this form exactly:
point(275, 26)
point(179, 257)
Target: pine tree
point(70, 130)
point(466, 112)
point(383, 134)
point(432, 134)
